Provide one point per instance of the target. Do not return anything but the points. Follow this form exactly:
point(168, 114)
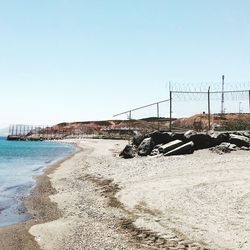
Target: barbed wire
point(203, 86)
point(241, 95)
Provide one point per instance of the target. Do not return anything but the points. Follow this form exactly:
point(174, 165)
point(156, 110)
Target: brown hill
point(218, 121)
point(198, 122)
point(98, 127)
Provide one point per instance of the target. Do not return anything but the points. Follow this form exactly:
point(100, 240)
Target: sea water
point(20, 162)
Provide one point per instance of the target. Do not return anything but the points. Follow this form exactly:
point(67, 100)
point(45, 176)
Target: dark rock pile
point(169, 143)
point(224, 147)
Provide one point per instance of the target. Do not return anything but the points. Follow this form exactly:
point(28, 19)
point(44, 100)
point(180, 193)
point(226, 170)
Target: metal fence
point(155, 117)
point(210, 97)
point(214, 102)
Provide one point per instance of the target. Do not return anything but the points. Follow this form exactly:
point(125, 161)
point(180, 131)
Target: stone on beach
point(200, 140)
point(239, 140)
point(224, 147)
point(170, 146)
point(160, 143)
point(160, 137)
point(218, 138)
point(128, 152)
point(187, 148)
point(137, 138)
point(146, 147)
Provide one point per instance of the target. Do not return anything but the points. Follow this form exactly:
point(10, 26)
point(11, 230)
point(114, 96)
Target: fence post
point(158, 116)
point(208, 98)
point(129, 117)
point(170, 111)
point(249, 99)
point(20, 130)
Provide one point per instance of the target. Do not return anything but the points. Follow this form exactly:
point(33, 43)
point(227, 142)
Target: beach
point(96, 200)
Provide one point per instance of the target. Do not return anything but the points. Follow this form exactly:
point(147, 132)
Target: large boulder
point(243, 133)
point(200, 140)
point(178, 136)
point(137, 138)
point(189, 133)
point(160, 137)
point(218, 138)
point(187, 148)
point(247, 134)
point(170, 146)
point(239, 140)
point(127, 152)
point(146, 146)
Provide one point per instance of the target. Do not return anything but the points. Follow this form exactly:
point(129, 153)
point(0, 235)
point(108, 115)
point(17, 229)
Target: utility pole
point(158, 116)
point(129, 118)
point(170, 111)
point(222, 96)
point(249, 100)
point(170, 106)
point(239, 107)
point(209, 112)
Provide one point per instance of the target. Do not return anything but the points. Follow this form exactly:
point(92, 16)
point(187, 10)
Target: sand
point(100, 201)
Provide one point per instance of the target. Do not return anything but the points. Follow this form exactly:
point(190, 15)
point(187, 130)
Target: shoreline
point(38, 207)
point(91, 216)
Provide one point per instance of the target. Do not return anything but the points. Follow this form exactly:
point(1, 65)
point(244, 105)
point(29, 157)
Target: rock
point(200, 140)
point(158, 145)
point(244, 148)
point(232, 147)
point(187, 148)
point(226, 144)
point(243, 133)
point(224, 147)
point(218, 138)
point(170, 146)
point(189, 133)
point(146, 147)
point(239, 140)
point(160, 137)
point(178, 136)
point(247, 134)
point(127, 152)
point(154, 152)
point(137, 138)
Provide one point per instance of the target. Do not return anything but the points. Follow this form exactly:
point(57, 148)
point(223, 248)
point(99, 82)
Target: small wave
point(18, 189)
point(11, 187)
point(36, 169)
point(3, 208)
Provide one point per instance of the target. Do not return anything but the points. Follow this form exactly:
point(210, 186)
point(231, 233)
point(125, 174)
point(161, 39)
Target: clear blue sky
point(85, 60)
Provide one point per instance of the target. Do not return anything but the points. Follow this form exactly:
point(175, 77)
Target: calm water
point(20, 161)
